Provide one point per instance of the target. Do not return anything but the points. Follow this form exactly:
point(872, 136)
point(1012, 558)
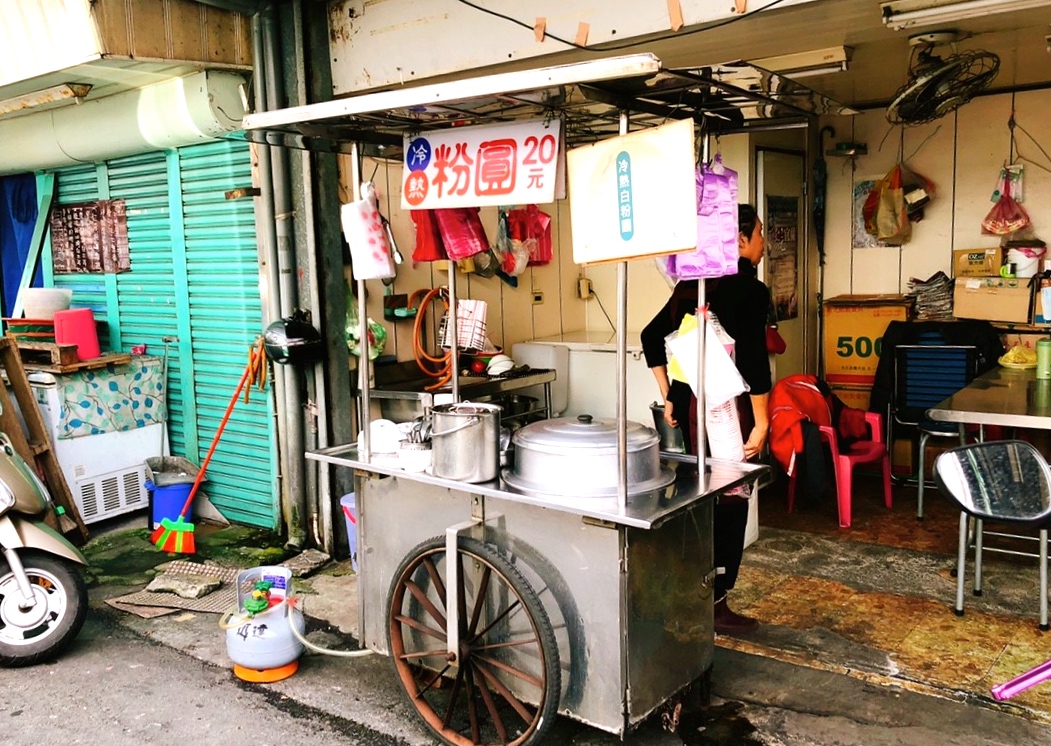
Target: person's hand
point(754, 446)
point(669, 416)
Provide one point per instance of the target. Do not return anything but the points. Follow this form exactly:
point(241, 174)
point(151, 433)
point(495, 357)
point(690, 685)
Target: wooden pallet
point(56, 358)
point(46, 353)
point(29, 435)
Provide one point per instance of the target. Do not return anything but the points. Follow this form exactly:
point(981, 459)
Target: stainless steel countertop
point(646, 510)
point(470, 386)
point(1001, 396)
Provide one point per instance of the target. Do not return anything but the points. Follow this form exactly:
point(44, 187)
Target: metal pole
point(622, 368)
point(363, 327)
point(701, 330)
point(451, 328)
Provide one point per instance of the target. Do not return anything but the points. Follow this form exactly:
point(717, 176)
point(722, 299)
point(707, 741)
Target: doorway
point(780, 189)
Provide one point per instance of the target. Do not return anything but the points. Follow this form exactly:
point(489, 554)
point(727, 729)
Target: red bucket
point(77, 327)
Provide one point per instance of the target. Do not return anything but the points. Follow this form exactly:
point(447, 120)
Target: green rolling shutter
point(194, 280)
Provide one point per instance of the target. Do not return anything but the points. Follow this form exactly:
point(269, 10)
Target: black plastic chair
point(925, 376)
point(1003, 480)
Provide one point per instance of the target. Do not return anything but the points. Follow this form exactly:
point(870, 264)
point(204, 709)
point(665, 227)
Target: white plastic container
point(1025, 260)
point(41, 303)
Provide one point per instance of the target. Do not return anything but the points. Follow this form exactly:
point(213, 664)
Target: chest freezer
point(103, 425)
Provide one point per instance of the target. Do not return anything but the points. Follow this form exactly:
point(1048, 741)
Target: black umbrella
point(820, 180)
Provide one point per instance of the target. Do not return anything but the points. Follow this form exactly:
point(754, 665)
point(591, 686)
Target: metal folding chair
point(1003, 480)
point(924, 376)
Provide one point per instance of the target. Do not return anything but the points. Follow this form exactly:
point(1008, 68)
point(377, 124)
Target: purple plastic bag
point(716, 253)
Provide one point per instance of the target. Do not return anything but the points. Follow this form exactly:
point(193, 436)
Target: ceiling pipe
point(182, 111)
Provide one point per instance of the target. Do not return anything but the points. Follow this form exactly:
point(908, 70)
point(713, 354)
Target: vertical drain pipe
point(316, 416)
point(267, 232)
point(294, 506)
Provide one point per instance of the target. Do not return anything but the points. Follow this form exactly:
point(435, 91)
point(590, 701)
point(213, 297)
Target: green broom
point(176, 537)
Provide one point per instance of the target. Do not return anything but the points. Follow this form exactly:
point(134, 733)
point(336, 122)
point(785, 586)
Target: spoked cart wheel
point(503, 688)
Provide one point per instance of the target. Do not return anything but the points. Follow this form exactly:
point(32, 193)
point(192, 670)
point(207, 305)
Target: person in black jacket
point(740, 302)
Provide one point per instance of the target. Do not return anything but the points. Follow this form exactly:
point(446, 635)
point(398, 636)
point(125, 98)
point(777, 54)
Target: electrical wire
point(611, 326)
point(1038, 146)
point(625, 45)
point(926, 140)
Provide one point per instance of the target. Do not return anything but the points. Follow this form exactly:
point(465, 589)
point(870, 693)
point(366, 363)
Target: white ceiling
point(879, 65)
point(880, 59)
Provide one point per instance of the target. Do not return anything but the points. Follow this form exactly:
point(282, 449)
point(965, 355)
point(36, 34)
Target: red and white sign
point(498, 164)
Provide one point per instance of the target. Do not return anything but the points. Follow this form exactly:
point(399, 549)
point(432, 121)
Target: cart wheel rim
point(504, 683)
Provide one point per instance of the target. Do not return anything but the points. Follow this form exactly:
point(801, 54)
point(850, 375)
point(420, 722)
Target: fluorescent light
point(806, 64)
point(909, 13)
point(45, 96)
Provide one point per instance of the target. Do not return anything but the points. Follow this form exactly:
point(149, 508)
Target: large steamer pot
point(577, 457)
point(465, 441)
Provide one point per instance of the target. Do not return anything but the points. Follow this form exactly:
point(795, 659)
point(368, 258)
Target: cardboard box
point(853, 396)
point(1011, 339)
point(992, 299)
point(853, 330)
point(977, 262)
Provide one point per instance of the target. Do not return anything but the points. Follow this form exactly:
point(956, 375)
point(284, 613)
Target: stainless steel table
point(1001, 396)
point(1011, 398)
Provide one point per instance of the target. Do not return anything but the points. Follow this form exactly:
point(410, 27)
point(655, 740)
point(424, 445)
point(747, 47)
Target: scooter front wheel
point(40, 632)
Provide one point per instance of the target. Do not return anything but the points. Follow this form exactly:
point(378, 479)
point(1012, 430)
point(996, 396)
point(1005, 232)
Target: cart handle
point(471, 421)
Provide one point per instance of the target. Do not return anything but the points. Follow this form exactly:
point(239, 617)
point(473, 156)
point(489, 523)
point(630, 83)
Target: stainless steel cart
point(562, 604)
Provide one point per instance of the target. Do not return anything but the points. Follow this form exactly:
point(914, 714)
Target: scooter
point(43, 596)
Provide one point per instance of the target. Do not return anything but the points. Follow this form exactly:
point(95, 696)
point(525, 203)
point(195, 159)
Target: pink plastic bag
point(716, 253)
point(462, 232)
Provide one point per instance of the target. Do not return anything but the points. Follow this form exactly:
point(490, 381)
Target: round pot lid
point(466, 408)
point(583, 431)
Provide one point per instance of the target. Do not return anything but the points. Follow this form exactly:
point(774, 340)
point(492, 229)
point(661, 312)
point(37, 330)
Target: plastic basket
point(167, 470)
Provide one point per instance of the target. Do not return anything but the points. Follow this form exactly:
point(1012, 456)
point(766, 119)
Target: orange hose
point(424, 360)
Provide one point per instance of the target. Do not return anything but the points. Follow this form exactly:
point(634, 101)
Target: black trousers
point(731, 513)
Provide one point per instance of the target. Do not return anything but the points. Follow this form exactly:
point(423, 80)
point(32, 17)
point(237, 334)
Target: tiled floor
point(876, 600)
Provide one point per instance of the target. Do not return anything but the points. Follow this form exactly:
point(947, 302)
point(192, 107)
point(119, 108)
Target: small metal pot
point(671, 437)
point(577, 457)
point(465, 441)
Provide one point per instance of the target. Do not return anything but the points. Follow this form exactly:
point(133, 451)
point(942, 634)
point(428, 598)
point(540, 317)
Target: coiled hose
point(441, 367)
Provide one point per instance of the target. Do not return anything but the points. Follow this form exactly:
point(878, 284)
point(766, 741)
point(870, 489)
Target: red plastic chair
point(843, 463)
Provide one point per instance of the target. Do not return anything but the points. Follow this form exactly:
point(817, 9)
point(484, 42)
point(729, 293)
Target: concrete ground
point(796, 681)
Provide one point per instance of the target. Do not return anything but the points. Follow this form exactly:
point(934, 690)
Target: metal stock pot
point(577, 457)
point(465, 441)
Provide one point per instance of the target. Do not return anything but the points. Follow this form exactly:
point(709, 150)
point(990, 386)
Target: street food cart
point(580, 590)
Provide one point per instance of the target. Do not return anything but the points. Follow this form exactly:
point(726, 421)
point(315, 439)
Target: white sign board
point(634, 195)
point(499, 164)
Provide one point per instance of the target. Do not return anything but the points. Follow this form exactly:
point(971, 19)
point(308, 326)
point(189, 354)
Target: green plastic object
point(260, 598)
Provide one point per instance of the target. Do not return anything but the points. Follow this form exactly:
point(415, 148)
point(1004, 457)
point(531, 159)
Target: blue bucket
point(167, 501)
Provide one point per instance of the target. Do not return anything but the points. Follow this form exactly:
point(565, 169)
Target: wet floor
point(876, 601)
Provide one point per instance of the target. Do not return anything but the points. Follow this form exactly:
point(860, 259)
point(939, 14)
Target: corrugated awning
point(589, 96)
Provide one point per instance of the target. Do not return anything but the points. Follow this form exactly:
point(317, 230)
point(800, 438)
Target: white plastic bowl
point(499, 364)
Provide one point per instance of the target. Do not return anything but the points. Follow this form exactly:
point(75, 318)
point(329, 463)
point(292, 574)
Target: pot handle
point(458, 428)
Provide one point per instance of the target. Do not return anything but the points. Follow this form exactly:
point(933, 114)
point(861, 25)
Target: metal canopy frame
point(589, 96)
point(593, 98)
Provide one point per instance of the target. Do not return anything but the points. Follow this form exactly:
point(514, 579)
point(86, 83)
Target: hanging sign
point(499, 164)
point(634, 195)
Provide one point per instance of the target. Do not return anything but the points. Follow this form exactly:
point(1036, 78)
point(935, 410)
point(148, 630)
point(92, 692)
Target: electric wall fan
point(938, 85)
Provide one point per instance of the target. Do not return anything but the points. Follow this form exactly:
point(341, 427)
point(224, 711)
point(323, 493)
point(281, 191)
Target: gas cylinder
point(259, 636)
